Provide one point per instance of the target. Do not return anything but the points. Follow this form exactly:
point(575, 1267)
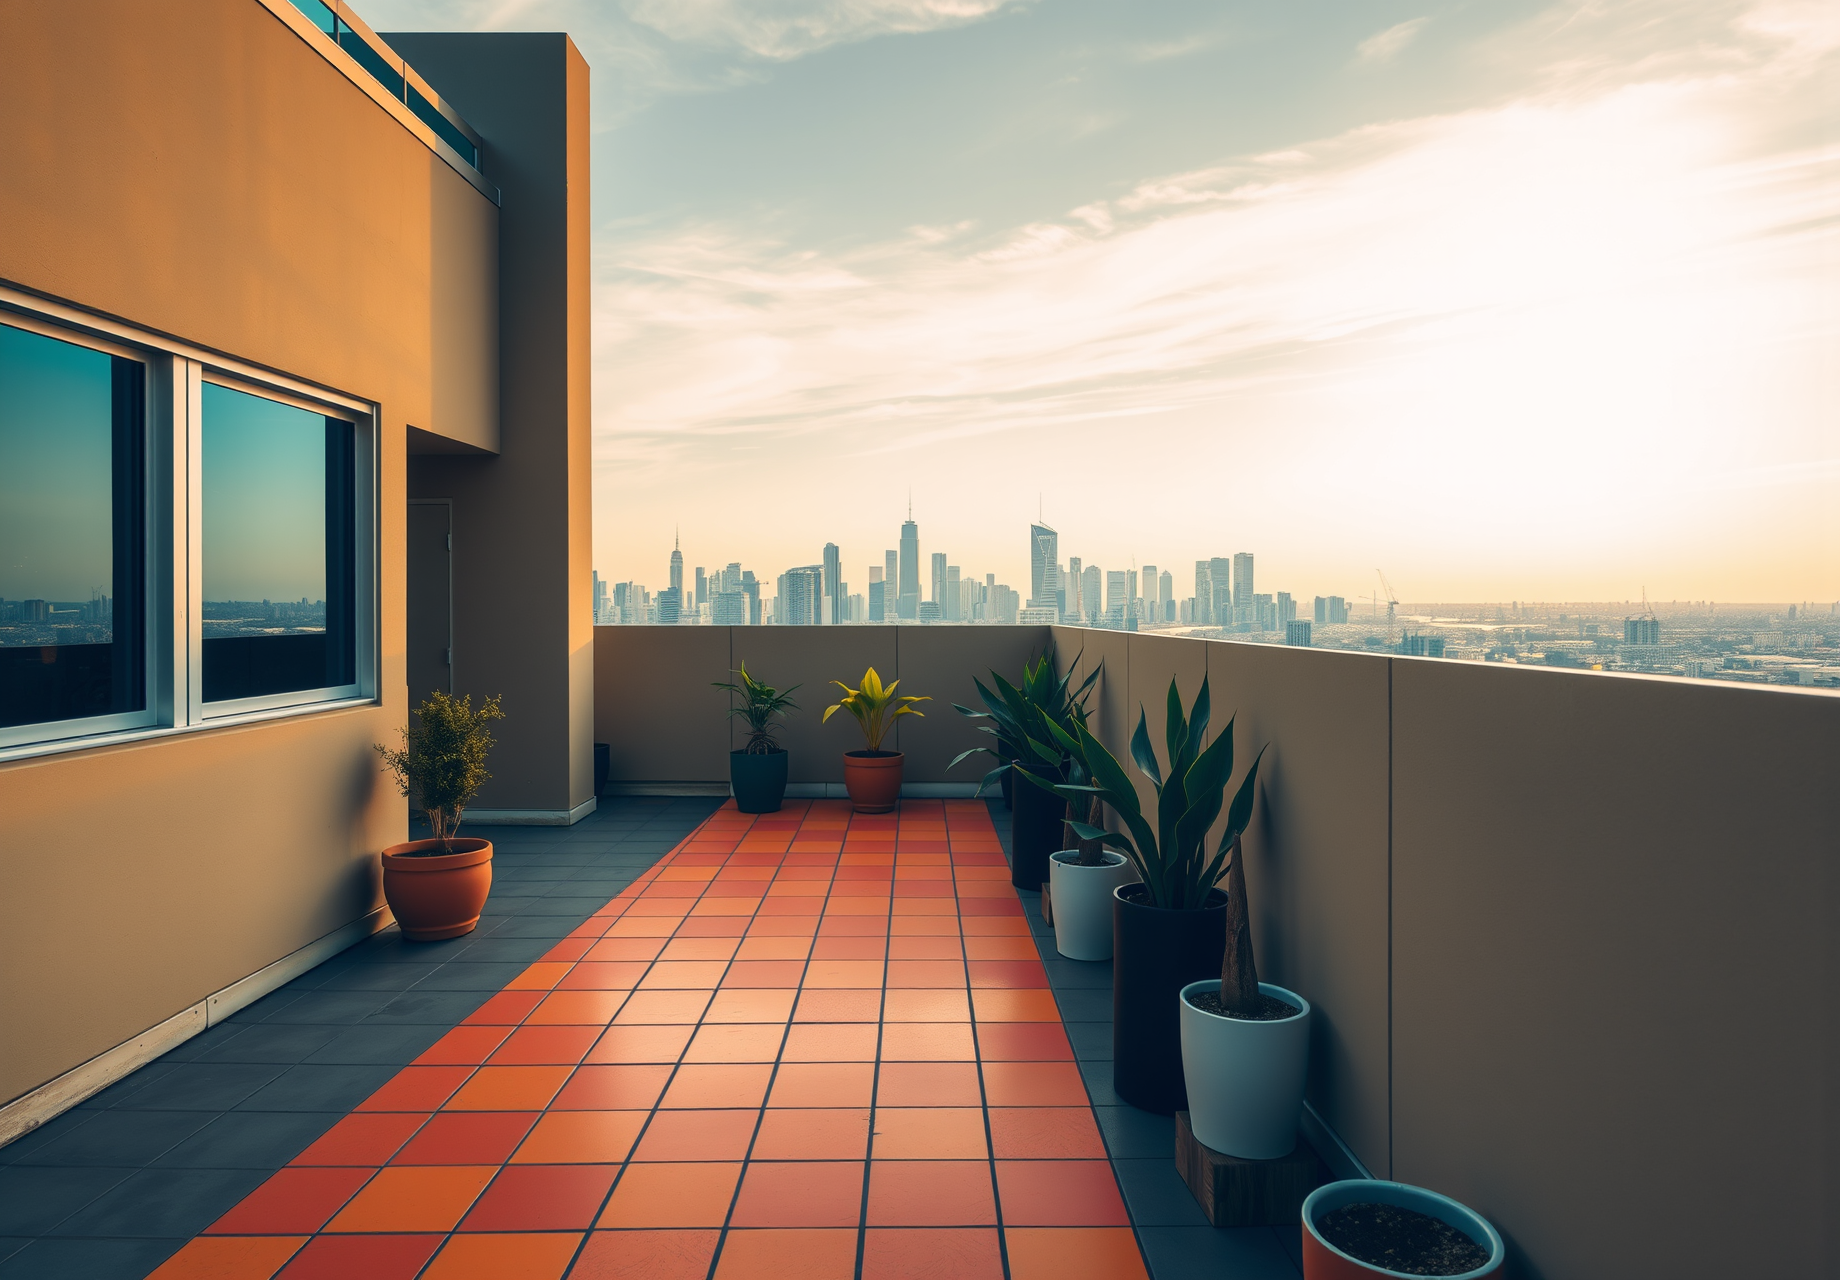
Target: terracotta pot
point(873, 779)
point(1323, 1261)
point(438, 895)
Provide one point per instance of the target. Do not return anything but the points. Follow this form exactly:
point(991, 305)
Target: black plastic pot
point(759, 782)
point(1034, 833)
point(1155, 953)
point(1008, 782)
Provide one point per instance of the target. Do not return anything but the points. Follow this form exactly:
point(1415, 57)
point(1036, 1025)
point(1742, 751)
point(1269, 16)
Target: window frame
point(173, 537)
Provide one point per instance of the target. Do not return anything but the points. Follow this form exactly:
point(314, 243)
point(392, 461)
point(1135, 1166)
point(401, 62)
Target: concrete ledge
point(530, 817)
point(51, 1099)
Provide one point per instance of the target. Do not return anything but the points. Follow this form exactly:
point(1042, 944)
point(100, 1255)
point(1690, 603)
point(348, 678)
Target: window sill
point(126, 737)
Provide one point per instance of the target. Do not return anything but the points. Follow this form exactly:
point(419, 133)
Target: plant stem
point(1239, 970)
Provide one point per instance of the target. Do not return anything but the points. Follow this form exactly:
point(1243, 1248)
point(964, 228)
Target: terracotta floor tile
point(677, 1136)
point(683, 975)
point(468, 1137)
point(593, 975)
point(375, 1257)
point(635, 925)
point(925, 1005)
point(731, 1005)
point(463, 1046)
point(581, 1137)
point(829, 1133)
point(774, 949)
point(930, 1133)
point(540, 976)
point(741, 1084)
point(799, 915)
point(1034, 1084)
point(699, 949)
point(806, 1254)
point(937, 1253)
point(1073, 1253)
point(417, 1089)
point(764, 973)
point(854, 925)
point(928, 1084)
point(293, 1201)
point(646, 1255)
point(522, 1256)
point(1045, 1133)
point(641, 1044)
point(927, 1042)
point(625, 949)
point(545, 1046)
point(363, 1139)
point(909, 974)
point(672, 1195)
point(823, 1084)
point(650, 1008)
point(843, 973)
point(542, 1197)
point(930, 1193)
point(1007, 973)
point(507, 1008)
point(1004, 926)
point(414, 1198)
point(630, 1087)
point(509, 1089)
point(587, 1008)
point(1007, 1004)
point(1001, 949)
point(229, 1258)
point(802, 1194)
point(875, 948)
point(1023, 1042)
point(839, 1006)
point(720, 926)
point(830, 1042)
point(906, 926)
point(736, 1042)
point(923, 949)
point(1060, 1193)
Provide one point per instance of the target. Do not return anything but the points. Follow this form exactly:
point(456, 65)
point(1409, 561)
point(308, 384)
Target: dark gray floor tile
point(551, 928)
point(435, 1007)
point(339, 1008)
point(525, 949)
point(98, 1259)
point(275, 1042)
point(118, 1137)
point(249, 1140)
point(487, 975)
point(202, 1086)
point(378, 977)
point(1098, 1075)
point(55, 1129)
point(376, 1043)
point(35, 1199)
point(1084, 1005)
point(167, 1202)
point(1244, 1253)
point(1080, 973)
point(572, 904)
point(1290, 1239)
point(1156, 1194)
point(1131, 1134)
point(205, 1042)
point(318, 1088)
point(10, 1245)
point(127, 1086)
point(601, 890)
point(390, 947)
point(272, 1003)
point(1090, 1039)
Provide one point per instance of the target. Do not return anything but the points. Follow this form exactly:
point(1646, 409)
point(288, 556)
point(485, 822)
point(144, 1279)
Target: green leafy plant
point(1019, 718)
point(442, 762)
point(760, 705)
point(1172, 859)
point(875, 707)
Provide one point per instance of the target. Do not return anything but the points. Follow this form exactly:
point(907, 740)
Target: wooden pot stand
point(1247, 1193)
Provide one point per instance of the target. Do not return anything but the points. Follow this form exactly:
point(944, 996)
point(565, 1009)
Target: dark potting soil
point(1271, 1009)
point(1385, 1235)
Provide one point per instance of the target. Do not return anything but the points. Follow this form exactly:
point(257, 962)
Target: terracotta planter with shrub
point(436, 895)
point(1322, 1260)
point(873, 779)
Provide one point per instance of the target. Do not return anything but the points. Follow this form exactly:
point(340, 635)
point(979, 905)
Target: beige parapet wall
point(1570, 937)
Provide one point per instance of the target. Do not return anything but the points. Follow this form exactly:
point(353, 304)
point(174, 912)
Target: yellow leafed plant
point(875, 706)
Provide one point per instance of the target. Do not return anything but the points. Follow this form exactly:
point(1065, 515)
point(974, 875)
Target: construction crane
point(1392, 600)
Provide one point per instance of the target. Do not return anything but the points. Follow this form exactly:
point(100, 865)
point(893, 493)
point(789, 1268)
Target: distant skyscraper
point(1071, 597)
point(1115, 603)
point(937, 583)
point(954, 602)
point(1297, 632)
point(833, 584)
point(1641, 631)
point(1287, 609)
point(1091, 594)
point(1220, 584)
point(750, 587)
point(1244, 609)
point(1166, 593)
point(1204, 593)
point(802, 595)
point(891, 574)
point(878, 603)
point(677, 569)
point(908, 597)
point(1044, 566)
point(1152, 606)
point(600, 600)
point(702, 587)
point(671, 604)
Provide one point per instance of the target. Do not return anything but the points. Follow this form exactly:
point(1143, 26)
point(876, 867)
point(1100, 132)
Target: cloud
point(782, 29)
point(1385, 45)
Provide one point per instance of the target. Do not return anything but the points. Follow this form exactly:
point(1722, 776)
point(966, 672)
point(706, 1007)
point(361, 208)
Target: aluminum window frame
point(174, 534)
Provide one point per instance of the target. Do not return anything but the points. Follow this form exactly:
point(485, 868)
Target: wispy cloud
point(1384, 46)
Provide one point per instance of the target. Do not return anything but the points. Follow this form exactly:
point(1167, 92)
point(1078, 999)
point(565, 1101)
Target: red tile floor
point(810, 1045)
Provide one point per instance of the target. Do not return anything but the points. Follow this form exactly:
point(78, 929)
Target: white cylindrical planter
point(1083, 902)
point(1245, 1079)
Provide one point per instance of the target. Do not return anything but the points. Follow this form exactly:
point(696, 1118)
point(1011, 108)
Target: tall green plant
point(442, 763)
point(1171, 857)
point(760, 704)
point(875, 706)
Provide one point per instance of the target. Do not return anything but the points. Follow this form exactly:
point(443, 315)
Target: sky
point(1512, 300)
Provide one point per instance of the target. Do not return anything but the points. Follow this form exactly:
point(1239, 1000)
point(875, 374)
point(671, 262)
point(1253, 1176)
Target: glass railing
point(391, 72)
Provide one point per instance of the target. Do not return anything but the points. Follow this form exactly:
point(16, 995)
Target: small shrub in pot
point(873, 776)
point(757, 772)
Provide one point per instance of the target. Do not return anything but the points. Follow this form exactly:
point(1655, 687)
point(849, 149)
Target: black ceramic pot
point(1008, 782)
point(759, 782)
point(1034, 832)
point(1155, 953)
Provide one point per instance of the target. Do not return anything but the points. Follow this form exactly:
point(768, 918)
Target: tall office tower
point(1297, 632)
point(1091, 592)
point(1204, 593)
point(1166, 595)
point(1287, 609)
point(728, 609)
point(677, 569)
point(907, 598)
point(877, 601)
point(1044, 565)
point(833, 583)
point(671, 604)
point(937, 584)
point(1641, 631)
point(1130, 593)
point(702, 586)
point(1076, 607)
point(1322, 610)
point(1220, 591)
point(1242, 587)
point(600, 599)
point(1264, 613)
point(954, 599)
point(731, 576)
point(1152, 607)
point(750, 587)
point(802, 595)
point(1114, 595)
point(1338, 610)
